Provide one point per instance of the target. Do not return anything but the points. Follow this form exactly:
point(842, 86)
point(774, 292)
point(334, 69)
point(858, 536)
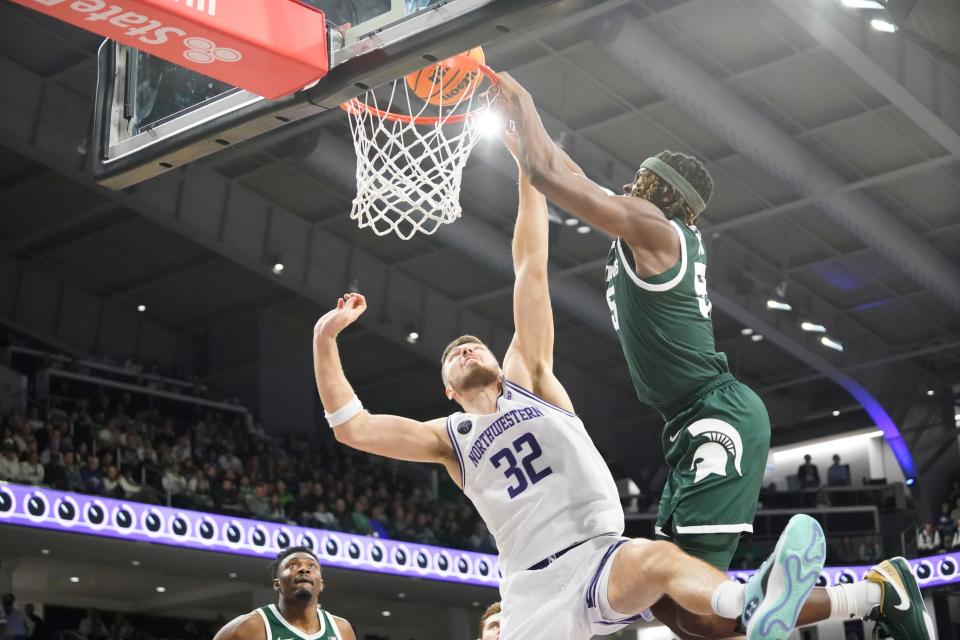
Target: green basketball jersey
point(279, 629)
point(663, 323)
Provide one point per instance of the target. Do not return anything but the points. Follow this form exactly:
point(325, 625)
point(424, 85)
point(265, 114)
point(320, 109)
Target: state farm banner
point(269, 47)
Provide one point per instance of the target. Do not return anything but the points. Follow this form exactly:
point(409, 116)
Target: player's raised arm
point(529, 360)
point(385, 435)
point(635, 220)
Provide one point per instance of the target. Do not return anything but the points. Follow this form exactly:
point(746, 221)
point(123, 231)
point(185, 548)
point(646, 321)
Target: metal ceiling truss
point(908, 75)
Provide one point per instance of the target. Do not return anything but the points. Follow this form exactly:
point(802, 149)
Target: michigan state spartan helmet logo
point(711, 457)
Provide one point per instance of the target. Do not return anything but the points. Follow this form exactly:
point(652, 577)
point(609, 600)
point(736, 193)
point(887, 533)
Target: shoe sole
point(798, 561)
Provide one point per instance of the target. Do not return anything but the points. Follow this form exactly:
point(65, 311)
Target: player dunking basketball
point(525, 460)
point(297, 615)
point(717, 433)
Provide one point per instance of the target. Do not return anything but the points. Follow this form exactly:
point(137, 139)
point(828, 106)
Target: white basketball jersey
point(535, 477)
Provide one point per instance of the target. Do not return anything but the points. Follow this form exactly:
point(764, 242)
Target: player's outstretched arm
point(384, 435)
point(637, 221)
point(529, 360)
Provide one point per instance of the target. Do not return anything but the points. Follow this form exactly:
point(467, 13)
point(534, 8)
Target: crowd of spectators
point(20, 625)
point(105, 446)
point(942, 534)
point(808, 474)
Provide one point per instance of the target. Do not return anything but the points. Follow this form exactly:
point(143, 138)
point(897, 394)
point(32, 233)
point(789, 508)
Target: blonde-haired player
point(523, 457)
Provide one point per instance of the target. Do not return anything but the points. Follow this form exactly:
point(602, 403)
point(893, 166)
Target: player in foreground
point(297, 614)
point(717, 432)
point(525, 460)
point(490, 623)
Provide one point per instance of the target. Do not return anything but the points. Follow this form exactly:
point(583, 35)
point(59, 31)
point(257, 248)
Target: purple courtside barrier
point(90, 515)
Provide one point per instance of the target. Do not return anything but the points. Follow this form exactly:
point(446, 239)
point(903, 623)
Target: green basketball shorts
point(716, 447)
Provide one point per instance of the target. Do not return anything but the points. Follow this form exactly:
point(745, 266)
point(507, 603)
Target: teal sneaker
point(901, 613)
point(776, 592)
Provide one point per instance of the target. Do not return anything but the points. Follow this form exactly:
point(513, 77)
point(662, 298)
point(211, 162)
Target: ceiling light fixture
point(45, 552)
point(831, 344)
point(278, 268)
point(930, 392)
point(756, 337)
point(813, 327)
point(74, 579)
point(862, 4)
point(746, 331)
point(413, 337)
point(385, 614)
point(231, 575)
point(141, 308)
point(571, 222)
point(135, 563)
point(779, 305)
point(835, 413)
point(582, 229)
point(161, 589)
point(883, 25)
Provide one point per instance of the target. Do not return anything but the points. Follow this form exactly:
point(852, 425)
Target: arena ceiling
point(835, 149)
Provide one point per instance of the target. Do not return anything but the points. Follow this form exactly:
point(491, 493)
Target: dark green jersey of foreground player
point(279, 629)
point(664, 325)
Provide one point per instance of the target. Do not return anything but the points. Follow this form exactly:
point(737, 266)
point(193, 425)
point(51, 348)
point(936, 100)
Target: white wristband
point(345, 413)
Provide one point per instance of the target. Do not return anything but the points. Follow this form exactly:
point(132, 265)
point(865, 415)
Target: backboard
point(152, 116)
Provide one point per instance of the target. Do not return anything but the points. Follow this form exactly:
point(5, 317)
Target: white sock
point(727, 601)
point(853, 601)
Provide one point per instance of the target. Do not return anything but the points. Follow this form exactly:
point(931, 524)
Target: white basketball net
point(408, 174)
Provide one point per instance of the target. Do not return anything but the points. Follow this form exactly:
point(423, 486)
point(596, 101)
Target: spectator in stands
point(258, 504)
point(228, 498)
point(35, 420)
point(953, 544)
point(73, 479)
point(92, 627)
point(229, 461)
point(9, 462)
point(121, 628)
point(870, 551)
point(928, 539)
point(808, 475)
point(18, 626)
point(322, 516)
point(91, 477)
point(360, 523)
point(38, 628)
point(54, 471)
point(845, 552)
point(175, 485)
point(838, 475)
point(945, 523)
point(955, 513)
point(31, 471)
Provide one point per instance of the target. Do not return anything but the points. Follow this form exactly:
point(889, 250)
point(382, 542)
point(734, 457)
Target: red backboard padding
point(269, 47)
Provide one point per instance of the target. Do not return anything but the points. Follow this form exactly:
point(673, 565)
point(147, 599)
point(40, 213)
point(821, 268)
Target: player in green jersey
point(297, 614)
point(717, 432)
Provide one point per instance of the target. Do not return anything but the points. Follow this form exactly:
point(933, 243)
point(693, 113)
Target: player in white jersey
point(526, 462)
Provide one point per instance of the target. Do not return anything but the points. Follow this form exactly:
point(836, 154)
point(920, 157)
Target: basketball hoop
point(411, 154)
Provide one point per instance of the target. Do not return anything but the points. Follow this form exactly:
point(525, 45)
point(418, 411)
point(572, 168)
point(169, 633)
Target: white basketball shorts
point(566, 600)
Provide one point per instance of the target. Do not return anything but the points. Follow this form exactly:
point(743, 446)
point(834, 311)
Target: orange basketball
point(447, 82)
